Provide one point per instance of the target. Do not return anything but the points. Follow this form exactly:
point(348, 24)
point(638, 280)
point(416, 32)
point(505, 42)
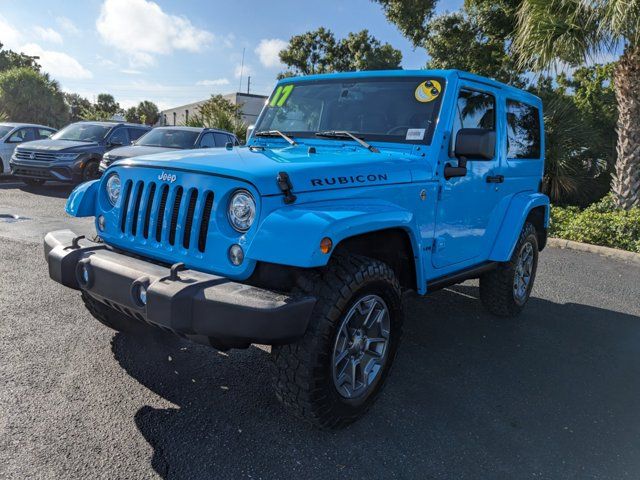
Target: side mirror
point(471, 144)
point(250, 129)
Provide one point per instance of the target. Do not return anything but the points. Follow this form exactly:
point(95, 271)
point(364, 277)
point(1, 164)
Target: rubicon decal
point(167, 177)
point(351, 179)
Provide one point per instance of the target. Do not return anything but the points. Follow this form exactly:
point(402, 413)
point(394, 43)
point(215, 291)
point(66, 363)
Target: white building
point(251, 107)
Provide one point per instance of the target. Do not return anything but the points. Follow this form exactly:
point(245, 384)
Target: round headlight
point(113, 188)
point(242, 210)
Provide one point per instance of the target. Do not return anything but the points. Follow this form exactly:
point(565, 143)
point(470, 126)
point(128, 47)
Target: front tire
point(91, 171)
point(506, 290)
point(333, 375)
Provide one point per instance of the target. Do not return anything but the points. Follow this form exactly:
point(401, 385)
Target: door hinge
point(439, 192)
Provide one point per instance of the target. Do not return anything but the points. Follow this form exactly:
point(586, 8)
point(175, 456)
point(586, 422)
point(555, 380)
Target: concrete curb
point(623, 255)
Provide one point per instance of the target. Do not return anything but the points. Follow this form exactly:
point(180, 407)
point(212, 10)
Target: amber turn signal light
point(326, 245)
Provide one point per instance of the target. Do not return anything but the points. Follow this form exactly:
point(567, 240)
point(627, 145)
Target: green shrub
point(599, 224)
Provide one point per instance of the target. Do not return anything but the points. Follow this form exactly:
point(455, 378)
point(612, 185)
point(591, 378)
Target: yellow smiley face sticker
point(428, 91)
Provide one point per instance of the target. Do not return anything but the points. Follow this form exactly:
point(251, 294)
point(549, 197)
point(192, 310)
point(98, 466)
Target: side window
point(207, 141)
point(22, 135)
point(43, 133)
point(119, 137)
point(473, 110)
point(523, 130)
point(221, 139)
point(136, 133)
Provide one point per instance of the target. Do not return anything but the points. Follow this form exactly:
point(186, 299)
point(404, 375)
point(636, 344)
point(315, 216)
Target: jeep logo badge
point(167, 177)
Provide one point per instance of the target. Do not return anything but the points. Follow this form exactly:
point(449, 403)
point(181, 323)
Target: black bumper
point(202, 307)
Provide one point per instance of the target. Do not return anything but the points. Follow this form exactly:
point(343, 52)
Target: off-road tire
point(112, 318)
point(33, 182)
point(496, 286)
point(303, 370)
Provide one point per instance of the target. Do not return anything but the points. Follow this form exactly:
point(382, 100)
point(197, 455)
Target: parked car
point(353, 188)
point(164, 139)
point(74, 153)
point(13, 134)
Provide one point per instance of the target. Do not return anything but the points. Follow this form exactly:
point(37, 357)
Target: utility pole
point(249, 85)
point(241, 70)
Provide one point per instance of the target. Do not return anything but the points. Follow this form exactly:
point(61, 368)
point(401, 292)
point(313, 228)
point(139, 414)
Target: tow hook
point(75, 243)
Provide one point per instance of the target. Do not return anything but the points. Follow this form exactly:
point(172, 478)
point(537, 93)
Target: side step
point(459, 277)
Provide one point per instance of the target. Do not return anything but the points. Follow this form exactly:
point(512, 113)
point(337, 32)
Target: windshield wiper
point(275, 133)
point(345, 134)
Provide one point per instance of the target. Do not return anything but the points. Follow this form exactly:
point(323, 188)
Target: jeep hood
point(328, 168)
point(57, 145)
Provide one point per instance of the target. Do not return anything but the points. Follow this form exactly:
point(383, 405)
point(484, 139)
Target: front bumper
point(60, 171)
point(202, 307)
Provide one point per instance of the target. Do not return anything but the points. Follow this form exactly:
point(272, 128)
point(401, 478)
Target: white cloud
point(67, 26)
point(58, 64)
point(242, 70)
point(130, 71)
point(211, 83)
point(142, 25)
point(9, 36)
point(48, 34)
point(268, 51)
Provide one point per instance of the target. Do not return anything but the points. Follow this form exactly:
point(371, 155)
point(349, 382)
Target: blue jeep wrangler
point(352, 189)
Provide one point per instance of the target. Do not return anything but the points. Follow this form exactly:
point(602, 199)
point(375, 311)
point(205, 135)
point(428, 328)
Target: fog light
point(236, 254)
point(102, 223)
point(142, 294)
point(326, 244)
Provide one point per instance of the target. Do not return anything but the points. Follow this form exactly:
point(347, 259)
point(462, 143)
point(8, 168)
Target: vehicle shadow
point(553, 394)
point(55, 190)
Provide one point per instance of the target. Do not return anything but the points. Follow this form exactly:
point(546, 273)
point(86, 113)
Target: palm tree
point(551, 32)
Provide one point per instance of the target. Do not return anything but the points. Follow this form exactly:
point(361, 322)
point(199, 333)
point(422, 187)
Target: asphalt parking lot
point(553, 395)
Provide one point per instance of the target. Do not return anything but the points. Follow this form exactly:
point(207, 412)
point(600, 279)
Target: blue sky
point(175, 52)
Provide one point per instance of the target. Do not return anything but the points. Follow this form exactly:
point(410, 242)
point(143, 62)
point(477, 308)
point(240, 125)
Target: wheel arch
point(526, 206)
point(393, 246)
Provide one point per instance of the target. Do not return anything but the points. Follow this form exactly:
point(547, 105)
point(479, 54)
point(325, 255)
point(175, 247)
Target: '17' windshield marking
point(278, 100)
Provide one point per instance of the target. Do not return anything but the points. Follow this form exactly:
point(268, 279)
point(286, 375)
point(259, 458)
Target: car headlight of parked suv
point(67, 156)
point(242, 210)
point(113, 187)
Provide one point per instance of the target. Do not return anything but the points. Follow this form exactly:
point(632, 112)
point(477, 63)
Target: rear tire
point(505, 291)
point(112, 318)
point(333, 374)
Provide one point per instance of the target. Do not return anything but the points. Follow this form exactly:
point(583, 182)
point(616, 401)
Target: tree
point(148, 112)
point(131, 115)
point(319, 52)
point(76, 105)
point(10, 59)
point(29, 96)
point(218, 112)
point(573, 31)
point(107, 104)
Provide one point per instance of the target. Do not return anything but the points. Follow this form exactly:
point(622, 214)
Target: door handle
point(495, 178)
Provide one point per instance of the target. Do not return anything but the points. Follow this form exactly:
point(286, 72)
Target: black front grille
point(175, 215)
point(34, 155)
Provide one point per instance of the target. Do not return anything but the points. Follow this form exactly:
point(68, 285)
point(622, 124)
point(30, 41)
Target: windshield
point(384, 109)
point(4, 129)
point(169, 138)
point(83, 132)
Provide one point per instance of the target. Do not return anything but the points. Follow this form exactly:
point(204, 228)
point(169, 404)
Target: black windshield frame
point(432, 109)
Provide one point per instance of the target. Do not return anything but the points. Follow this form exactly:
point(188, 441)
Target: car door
point(466, 206)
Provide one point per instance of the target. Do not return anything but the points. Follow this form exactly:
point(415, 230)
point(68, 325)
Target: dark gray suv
point(74, 153)
point(163, 139)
